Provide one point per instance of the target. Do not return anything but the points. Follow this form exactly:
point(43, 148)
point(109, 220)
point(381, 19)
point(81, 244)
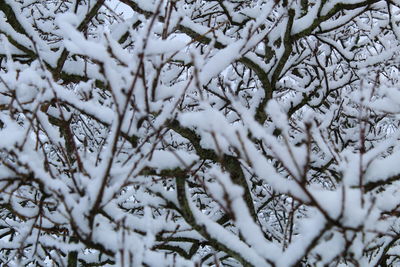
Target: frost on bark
point(199, 133)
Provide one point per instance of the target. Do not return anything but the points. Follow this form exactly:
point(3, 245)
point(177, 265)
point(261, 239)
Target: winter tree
point(199, 133)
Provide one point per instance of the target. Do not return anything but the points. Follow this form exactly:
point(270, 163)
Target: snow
point(306, 21)
point(279, 165)
point(161, 159)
